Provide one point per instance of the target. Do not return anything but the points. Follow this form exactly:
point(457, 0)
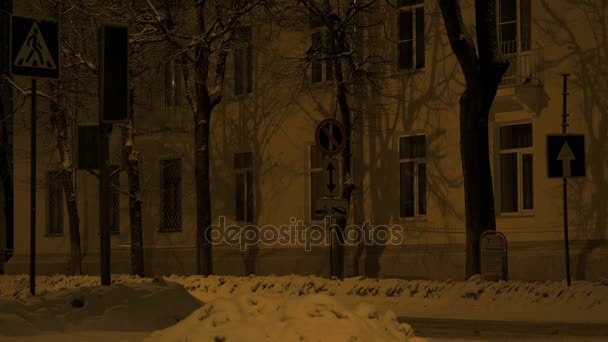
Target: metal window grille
point(55, 203)
point(171, 195)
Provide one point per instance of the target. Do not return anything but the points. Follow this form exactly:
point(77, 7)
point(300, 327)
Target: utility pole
point(565, 178)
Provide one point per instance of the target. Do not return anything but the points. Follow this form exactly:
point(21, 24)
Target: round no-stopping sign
point(330, 136)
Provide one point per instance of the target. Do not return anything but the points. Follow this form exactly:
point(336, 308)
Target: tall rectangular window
point(411, 45)
point(171, 194)
point(321, 64)
point(54, 224)
point(174, 87)
point(516, 168)
point(243, 62)
point(243, 171)
point(316, 180)
point(515, 25)
point(114, 199)
point(412, 176)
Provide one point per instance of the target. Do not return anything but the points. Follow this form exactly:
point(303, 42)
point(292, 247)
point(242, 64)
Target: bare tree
point(483, 69)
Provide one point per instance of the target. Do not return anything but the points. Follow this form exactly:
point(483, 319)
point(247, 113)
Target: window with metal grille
point(114, 199)
point(412, 176)
point(516, 166)
point(171, 194)
point(411, 43)
point(243, 62)
point(54, 225)
point(316, 180)
point(243, 170)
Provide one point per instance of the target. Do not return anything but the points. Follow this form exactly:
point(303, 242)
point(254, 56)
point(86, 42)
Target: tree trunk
point(6, 122)
point(135, 218)
point(61, 127)
point(482, 75)
point(202, 121)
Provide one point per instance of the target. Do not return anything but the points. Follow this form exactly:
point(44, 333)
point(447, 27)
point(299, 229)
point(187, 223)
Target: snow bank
point(255, 317)
point(139, 306)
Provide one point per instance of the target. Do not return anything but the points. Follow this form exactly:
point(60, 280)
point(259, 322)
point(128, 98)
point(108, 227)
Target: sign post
point(34, 53)
point(566, 159)
point(330, 138)
point(113, 108)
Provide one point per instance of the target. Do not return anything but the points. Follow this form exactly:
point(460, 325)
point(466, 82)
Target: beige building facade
point(267, 172)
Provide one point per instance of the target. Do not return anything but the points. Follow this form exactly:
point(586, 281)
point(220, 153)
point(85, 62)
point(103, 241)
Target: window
point(243, 170)
point(515, 25)
point(321, 67)
point(411, 34)
point(174, 87)
point(412, 176)
point(243, 62)
point(516, 166)
point(171, 194)
point(114, 199)
point(54, 224)
point(316, 180)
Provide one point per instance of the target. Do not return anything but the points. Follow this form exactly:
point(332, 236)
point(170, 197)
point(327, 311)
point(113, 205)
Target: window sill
point(58, 235)
point(522, 214)
point(161, 230)
point(321, 84)
point(413, 219)
point(409, 72)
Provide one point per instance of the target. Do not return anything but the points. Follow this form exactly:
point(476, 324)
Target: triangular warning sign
point(34, 53)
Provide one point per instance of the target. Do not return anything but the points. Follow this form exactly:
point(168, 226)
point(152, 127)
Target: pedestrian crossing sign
point(34, 47)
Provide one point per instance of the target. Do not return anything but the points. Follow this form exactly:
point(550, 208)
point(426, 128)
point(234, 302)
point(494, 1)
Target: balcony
point(526, 65)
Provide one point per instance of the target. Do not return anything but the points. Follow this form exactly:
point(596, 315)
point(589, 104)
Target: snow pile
point(139, 306)
point(254, 317)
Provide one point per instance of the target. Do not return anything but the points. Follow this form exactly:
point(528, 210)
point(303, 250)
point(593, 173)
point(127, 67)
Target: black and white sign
point(566, 155)
point(330, 137)
point(330, 177)
point(34, 47)
point(335, 207)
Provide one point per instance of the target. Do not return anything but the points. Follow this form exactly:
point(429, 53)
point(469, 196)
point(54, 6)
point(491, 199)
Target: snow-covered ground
point(285, 308)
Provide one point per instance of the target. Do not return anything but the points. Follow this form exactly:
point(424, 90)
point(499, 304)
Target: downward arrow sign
point(330, 168)
point(566, 156)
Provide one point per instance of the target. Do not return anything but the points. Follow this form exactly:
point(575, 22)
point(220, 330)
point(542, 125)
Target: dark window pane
point(516, 136)
point(405, 55)
point(177, 84)
point(406, 196)
point(315, 157)
point(249, 70)
point(527, 180)
point(317, 71)
point(171, 194)
point(328, 63)
point(406, 25)
point(243, 160)
point(420, 46)
point(508, 10)
point(168, 84)
point(249, 196)
point(314, 20)
point(55, 204)
point(508, 37)
point(238, 71)
point(88, 146)
point(412, 147)
point(240, 197)
point(508, 182)
point(422, 189)
point(526, 24)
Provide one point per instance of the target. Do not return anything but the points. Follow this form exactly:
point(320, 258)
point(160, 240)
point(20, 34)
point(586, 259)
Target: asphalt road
point(499, 330)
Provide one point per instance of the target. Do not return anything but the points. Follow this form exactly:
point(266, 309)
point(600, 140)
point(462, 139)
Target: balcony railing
point(525, 67)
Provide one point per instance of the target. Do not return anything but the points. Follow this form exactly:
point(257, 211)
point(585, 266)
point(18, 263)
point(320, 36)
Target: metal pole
point(329, 220)
point(565, 181)
point(104, 232)
point(33, 192)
